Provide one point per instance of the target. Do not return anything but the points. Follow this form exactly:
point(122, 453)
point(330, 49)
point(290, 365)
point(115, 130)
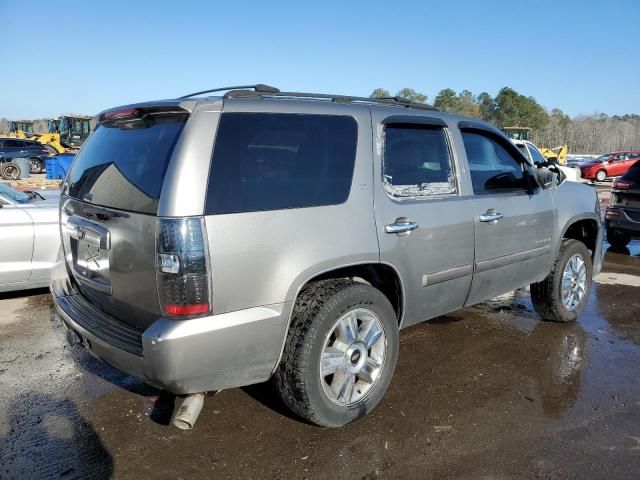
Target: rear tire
point(555, 298)
point(601, 175)
point(618, 239)
point(10, 171)
point(321, 339)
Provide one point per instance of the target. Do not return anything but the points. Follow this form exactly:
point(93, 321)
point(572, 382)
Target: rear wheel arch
point(381, 276)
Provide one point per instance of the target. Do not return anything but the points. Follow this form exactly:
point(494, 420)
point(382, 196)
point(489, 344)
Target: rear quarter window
point(124, 168)
point(273, 161)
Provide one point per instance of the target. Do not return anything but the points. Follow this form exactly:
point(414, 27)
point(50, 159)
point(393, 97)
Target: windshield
point(63, 126)
point(601, 158)
point(13, 195)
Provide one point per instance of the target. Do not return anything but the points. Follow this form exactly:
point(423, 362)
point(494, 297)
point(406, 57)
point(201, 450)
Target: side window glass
point(493, 169)
point(274, 161)
point(417, 161)
point(536, 155)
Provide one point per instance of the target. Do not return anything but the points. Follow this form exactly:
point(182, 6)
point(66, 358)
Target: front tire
point(563, 295)
point(37, 165)
point(601, 175)
point(340, 353)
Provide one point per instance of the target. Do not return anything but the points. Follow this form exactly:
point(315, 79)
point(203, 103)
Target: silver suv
point(216, 242)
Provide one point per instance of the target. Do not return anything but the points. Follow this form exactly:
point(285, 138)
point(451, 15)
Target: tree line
point(588, 134)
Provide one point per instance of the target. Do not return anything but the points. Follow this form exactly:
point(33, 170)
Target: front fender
point(576, 202)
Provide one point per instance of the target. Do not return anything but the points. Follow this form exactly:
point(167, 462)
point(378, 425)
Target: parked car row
point(37, 153)
point(609, 165)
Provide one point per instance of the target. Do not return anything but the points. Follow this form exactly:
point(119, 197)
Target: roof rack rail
point(397, 101)
point(259, 87)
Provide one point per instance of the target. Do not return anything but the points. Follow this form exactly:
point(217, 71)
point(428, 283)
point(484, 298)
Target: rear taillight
point(622, 184)
point(183, 267)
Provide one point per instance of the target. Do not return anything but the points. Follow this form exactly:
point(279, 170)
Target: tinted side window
point(272, 161)
point(12, 143)
point(417, 161)
point(492, 167)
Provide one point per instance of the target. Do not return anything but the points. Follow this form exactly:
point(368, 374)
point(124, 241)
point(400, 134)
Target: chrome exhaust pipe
point(188, 412)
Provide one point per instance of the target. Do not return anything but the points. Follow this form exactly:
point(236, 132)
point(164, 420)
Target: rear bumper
point(187, 356)
point(623, 223)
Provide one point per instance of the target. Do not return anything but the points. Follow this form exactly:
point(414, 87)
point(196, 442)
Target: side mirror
point(610, 161)
point(544, 176)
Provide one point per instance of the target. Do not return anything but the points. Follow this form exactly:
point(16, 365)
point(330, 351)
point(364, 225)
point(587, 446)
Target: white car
point(29, 237)
point(531, 153)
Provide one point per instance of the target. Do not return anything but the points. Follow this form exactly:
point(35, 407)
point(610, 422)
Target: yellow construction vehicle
point(50, 140)
point(19, 129)
point(73, 130)
point(557, 154)
point(554, 155)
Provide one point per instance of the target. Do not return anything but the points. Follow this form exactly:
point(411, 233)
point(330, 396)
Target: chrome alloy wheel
point(352, 357)
point(574, 282)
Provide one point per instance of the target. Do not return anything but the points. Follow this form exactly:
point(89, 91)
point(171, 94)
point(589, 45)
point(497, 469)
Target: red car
point(609, 165)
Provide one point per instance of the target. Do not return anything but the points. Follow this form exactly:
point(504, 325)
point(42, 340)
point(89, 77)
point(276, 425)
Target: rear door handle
point(401, 225)
point(491, 216)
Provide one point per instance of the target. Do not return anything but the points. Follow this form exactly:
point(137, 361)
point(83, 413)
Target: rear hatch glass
point(122, 165)
point(110, 203)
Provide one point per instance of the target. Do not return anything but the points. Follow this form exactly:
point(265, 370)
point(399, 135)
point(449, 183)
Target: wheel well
point(378, 275)
point(585, 231)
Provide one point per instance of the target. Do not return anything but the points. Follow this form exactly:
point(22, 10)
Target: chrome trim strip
point(446, 275)
point(498, 262)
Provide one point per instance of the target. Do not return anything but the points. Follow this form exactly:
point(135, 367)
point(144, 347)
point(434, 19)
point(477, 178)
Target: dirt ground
point(486, 392)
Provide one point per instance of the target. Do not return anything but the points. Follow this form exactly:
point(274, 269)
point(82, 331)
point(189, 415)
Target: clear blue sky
point(83, 56)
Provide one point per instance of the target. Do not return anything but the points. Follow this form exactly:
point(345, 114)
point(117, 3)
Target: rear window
point(123, 167)
point(270, 161)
